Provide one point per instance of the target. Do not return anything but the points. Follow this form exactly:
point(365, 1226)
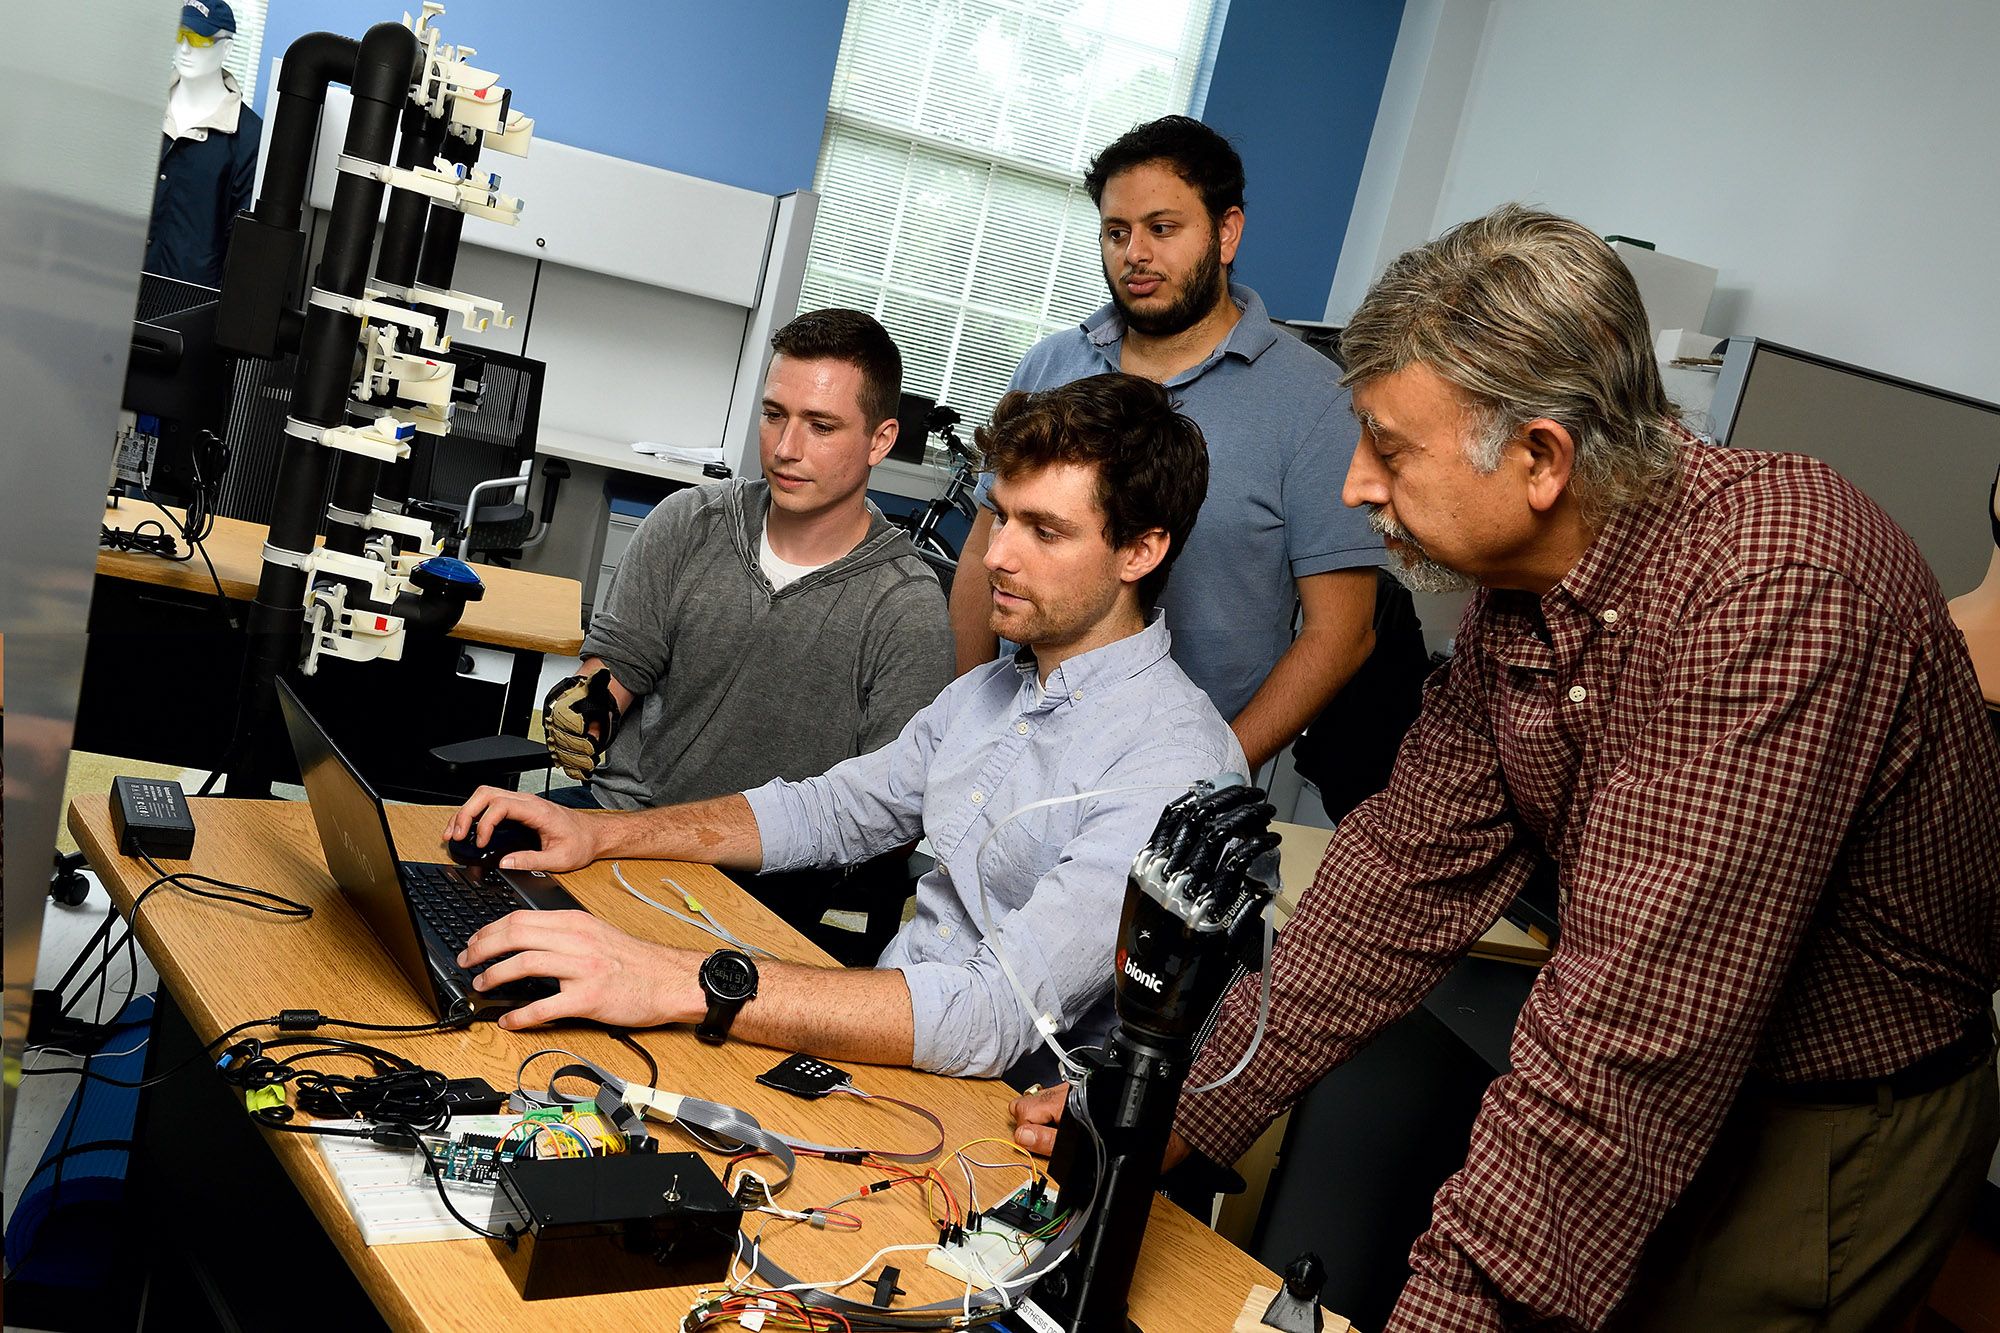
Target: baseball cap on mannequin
point(209, 18)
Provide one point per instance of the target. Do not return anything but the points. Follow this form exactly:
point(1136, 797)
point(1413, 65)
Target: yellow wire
point(1005, 1143)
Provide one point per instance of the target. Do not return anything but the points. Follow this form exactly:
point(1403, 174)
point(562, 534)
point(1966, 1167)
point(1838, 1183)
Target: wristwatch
point(729, 980)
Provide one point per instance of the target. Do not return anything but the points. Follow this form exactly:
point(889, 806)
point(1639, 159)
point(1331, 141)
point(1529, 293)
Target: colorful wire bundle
point(578, 1131)
point(781, 1309)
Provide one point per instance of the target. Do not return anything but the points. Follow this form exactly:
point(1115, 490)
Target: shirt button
point(1577, 694)
point(1611, 616)
point(1077, 697)
point(1021, 727)
point(944, 932)
point(163, 175)
point(978, 796)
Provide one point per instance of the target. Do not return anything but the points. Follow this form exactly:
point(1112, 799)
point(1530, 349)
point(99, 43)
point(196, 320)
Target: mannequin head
point(207, 31)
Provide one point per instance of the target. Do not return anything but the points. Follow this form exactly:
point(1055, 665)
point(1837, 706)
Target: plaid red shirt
point(1750, 736)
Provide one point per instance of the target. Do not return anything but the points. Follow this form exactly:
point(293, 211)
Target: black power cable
point(403, 1099)
point(624, 1038)
point(78, 1150)
point(259, 899)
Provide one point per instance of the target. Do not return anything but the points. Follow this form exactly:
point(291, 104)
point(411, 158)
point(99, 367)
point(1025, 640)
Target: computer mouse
point(509, 836)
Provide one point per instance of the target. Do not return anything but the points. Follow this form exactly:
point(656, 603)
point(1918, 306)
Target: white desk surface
point(599, 452)
point(897, 478)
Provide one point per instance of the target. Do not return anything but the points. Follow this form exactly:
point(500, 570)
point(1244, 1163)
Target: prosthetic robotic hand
point(574, 705)
point(1192, 905)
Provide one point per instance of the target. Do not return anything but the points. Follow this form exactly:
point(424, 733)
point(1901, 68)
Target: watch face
point(729, 975)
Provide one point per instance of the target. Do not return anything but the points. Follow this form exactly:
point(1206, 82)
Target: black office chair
point(475, 480)
point(474, 484)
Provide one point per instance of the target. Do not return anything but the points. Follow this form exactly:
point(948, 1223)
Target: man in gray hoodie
point(763, 629)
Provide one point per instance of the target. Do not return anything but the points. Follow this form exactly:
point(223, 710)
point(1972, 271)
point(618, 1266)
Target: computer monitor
point(177, 383)
point(911, 437)
point(175, 369)
point(1925, 454)
point(1317, 334)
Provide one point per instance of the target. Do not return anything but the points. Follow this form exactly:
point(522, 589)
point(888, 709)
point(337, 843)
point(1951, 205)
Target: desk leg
point(522, 685)
point(231, 1239)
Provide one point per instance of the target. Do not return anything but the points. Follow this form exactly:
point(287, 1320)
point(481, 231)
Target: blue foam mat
point(89, 1181)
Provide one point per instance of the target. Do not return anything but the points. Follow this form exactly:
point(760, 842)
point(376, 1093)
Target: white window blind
point(248, 50)
point(952, 205)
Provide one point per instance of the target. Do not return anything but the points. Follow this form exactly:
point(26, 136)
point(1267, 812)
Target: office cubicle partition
point(1925, 454)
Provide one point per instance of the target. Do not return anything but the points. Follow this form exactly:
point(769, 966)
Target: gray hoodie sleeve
point(910, 658)
point(633, 628)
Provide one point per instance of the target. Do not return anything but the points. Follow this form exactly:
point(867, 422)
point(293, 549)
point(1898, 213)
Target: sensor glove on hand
point(580, 718)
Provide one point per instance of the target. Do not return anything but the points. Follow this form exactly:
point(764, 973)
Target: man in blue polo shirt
point(1273, 537)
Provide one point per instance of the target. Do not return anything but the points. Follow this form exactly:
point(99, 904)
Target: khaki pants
point(1822, 1218)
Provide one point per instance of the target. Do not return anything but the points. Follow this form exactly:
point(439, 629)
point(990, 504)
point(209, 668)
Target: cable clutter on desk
point(578, 1196)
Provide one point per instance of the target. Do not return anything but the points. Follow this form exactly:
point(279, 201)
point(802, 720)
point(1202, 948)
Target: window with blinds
point(246, 50)
point(952, 205)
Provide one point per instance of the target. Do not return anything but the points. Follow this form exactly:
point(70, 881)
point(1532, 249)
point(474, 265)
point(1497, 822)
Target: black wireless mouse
point(509, 836)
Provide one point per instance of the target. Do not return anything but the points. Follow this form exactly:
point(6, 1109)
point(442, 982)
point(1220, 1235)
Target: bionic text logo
point(1143, 977)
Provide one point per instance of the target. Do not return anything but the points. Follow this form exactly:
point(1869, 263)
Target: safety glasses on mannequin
point(200, 41)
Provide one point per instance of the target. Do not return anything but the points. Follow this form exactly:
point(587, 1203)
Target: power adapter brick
point(151, 815)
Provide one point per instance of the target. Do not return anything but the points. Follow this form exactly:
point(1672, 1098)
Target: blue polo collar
point(1253, 335)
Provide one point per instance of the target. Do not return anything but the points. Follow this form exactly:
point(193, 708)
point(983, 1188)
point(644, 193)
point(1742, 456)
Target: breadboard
point(986, 1256)
point(395, 1203)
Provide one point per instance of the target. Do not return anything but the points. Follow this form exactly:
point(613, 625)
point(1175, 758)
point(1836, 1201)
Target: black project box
point(617, 1222)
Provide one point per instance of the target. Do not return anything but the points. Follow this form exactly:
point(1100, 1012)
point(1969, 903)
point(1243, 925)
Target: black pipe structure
point(424, 253)
point(355, 475)
point(380, 70)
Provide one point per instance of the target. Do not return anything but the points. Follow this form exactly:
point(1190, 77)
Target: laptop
point(422, 912)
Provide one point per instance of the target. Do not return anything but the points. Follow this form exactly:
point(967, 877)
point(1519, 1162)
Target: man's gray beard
point(1412, 565)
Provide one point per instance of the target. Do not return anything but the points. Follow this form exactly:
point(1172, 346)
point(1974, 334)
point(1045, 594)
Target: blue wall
point(736, 91)
point(1296, 87)
point(728, 90)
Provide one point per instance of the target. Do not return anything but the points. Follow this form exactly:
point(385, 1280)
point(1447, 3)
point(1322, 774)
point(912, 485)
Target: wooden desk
point(521, 610)
point(155, 634)
point(1302, 847)
point(226, 964)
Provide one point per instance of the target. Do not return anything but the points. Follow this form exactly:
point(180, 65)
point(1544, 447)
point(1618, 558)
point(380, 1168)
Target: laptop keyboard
point(453, 903)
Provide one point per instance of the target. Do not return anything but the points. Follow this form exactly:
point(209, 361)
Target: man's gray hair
point(1530, 315)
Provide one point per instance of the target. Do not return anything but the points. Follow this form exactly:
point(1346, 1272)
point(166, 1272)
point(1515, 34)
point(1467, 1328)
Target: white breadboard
point(395, 1203)
point(986, 1256)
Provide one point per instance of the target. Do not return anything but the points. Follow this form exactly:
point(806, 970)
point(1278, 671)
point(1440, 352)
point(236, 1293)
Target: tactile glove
point(580, 718)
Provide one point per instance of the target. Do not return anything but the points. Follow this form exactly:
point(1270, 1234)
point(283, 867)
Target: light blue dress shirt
point(1123, 715)
point(1280, 436)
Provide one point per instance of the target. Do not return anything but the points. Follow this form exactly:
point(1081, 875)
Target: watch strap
point(714, 1029)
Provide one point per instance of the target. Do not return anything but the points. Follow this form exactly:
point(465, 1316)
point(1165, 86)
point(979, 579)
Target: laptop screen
point(354, 831)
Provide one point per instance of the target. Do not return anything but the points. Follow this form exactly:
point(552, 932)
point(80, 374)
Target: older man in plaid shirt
point(1754, 1086)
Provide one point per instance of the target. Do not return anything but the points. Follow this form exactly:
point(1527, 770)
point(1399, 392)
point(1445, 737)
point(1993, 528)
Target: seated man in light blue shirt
point(1097, 487)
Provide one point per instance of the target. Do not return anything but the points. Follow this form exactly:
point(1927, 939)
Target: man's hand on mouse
point(604, 973)
point(567, 835)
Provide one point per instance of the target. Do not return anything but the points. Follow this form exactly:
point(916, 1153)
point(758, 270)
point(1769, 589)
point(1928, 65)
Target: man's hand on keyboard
point(604, 973)
point(568, 840)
